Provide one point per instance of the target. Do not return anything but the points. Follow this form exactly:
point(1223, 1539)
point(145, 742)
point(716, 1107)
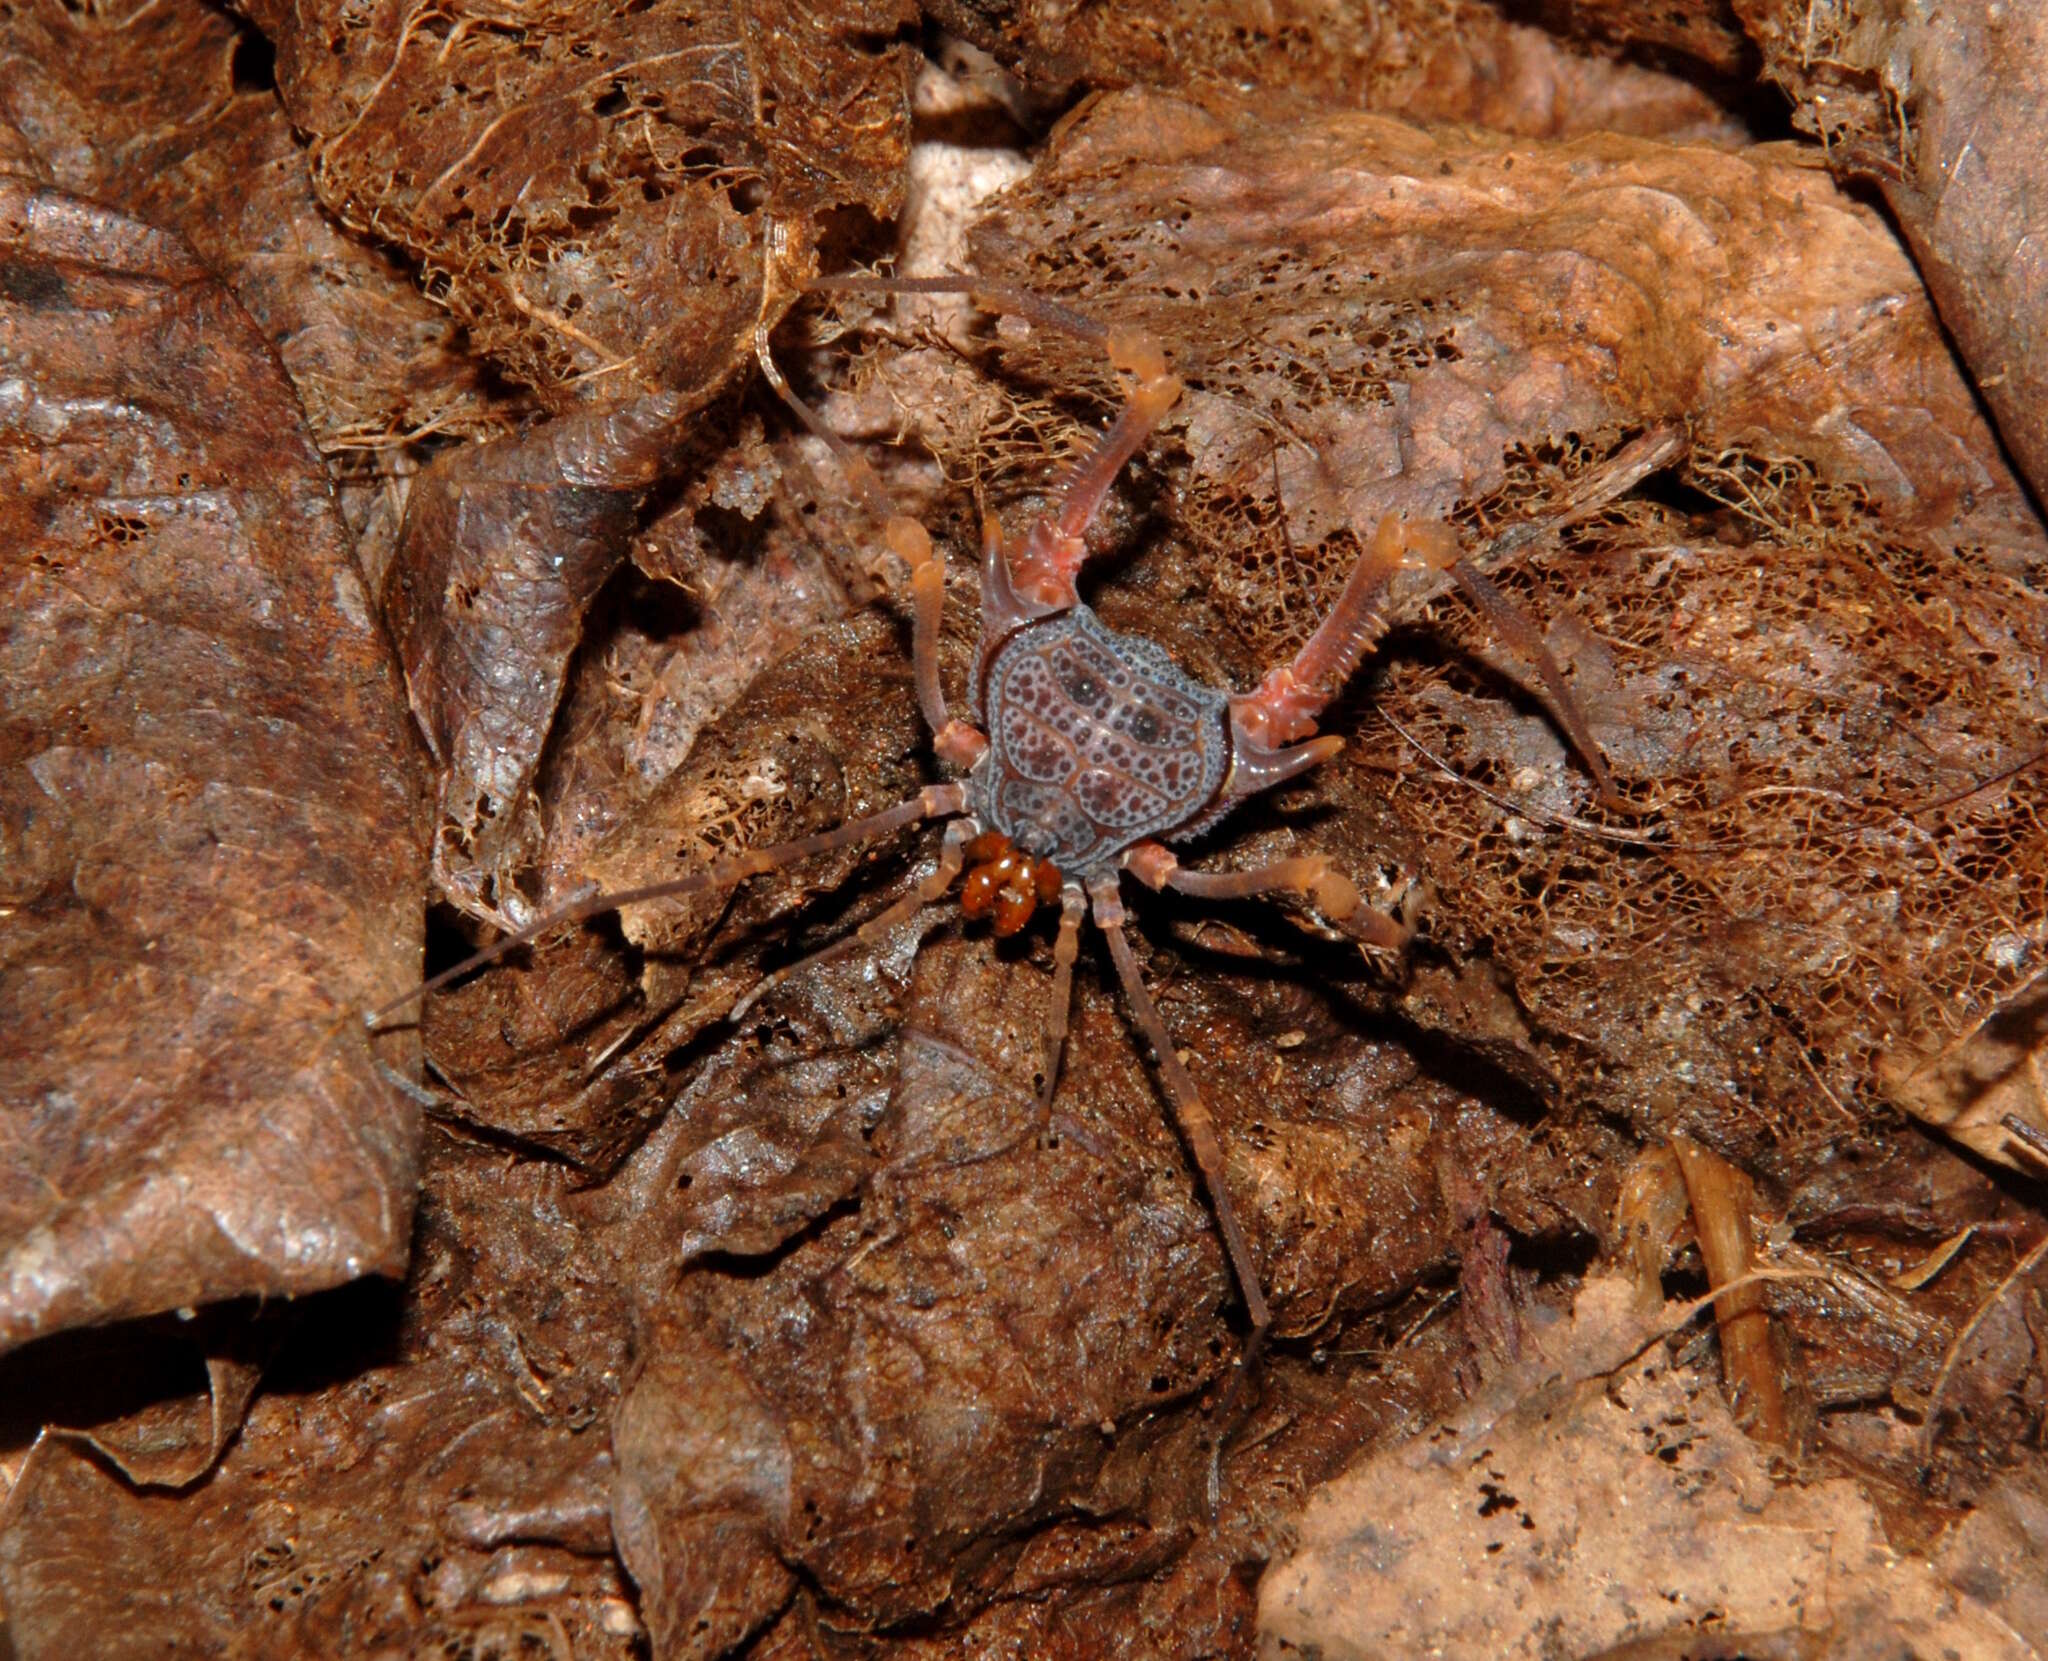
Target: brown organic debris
point(585, 189)
point(1426, 60)
point(207, 797)
point(1723, 1205)
point(801, 1333)
point(1598, 1502)
point(1944, 108)
point(505, 546)
point(164, 110)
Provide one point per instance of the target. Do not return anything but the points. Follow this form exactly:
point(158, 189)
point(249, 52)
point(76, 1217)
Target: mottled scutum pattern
point(1097, 740)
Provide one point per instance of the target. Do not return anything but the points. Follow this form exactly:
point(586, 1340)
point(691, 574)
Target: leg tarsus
point(1238, 1401)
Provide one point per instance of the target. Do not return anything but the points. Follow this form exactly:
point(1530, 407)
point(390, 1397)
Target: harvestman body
point(1091, 749)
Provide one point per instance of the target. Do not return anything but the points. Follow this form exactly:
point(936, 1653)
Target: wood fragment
point(1721, 1206)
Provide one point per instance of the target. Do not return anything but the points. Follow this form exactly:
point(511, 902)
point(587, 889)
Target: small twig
point(2030, 1137)
point(1721, 1214)
point(1923, 1272)
point(1981, 785)
point(1820, 1083)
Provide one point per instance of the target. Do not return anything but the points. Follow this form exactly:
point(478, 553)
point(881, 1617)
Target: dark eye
point(1079, 685)
point(1146, 727)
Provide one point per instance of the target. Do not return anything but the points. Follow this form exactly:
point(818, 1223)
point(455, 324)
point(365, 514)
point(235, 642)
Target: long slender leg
point(1333, 894)
point(957, 742)
point(1523, 636)
point(1189, 1109)
point(935, 801)
point(1288, 700)
point(1044, 563)
point(1073, 906)
point(1267, 722)
point(1005, 297)
point(1200, 1130)
point(905, 906)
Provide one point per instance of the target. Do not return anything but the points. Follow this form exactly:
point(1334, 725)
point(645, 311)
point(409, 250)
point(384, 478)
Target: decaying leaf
point(1943, 107)
point(995, 1340)
point(165, 111)
point(1602, 1501)
point(506, 544)
point(208, 806)
point(1437, 60)
point(586, 189)
point(1989, 1087)
point(397, 1486)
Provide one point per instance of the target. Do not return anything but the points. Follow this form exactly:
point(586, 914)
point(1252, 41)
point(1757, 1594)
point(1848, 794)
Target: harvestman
point(1088, 750)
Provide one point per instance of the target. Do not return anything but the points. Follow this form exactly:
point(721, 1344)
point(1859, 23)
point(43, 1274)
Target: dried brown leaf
point(505, 545)
point(1427, 60)
point(208, 801)
point(1994, 1556)
point(1944, 107)
point(1992, 1075)
point(593, 199)
point(416, 1477)
point(163, 110)
point(1706, 31)
point(931, 1393)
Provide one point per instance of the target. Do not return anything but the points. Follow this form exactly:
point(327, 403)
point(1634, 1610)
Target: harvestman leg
point(1199, 1127)
point(935, 801)
point(1268, 722)
point(1189, 1109)
point(1333, 894)
point(1046, 562)
point(905, 906)
point(1043, 565)
point(956, 741)
point(1267, 727)
point(1073, 907)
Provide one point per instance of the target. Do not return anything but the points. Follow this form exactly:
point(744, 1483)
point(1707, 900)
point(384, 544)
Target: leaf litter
point(792, 1335)
point(208, 805)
